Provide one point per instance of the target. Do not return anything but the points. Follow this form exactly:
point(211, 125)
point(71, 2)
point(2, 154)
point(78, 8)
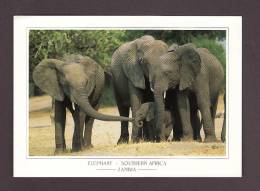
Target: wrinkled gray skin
point(193, 72)
point(171, 104)
point(78, 80)
point(223, 132)
point(131, 70)
point(146, 113)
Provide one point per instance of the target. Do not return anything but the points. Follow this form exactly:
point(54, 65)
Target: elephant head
point(76, 79)
point(145, 112)
point(140, 54)
point(175, 69)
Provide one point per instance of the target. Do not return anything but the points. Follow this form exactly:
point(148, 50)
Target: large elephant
point(78, 80)
point(194, 72)
point(131, 70)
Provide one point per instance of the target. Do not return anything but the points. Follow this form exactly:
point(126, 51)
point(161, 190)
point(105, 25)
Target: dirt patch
point(106, 134)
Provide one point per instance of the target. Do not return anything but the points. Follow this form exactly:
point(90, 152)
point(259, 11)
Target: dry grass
point(105, 135)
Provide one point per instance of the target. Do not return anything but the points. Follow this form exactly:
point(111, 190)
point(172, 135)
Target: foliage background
point(100, 45)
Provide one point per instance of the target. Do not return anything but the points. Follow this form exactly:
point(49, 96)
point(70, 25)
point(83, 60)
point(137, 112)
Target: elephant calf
point(145, 114)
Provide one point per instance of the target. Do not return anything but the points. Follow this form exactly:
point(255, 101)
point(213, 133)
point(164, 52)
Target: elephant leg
point(60, 120)
point(136, 100)
point(177, 126)
point(184, 109)
point(123, 111)
point(88, 132)
point(124, 137)
point(77, 142)
point(223, 131)
point(88, 127)
point(213, 109)
point(195, 118)
point(204, 107)
point(146, 131)
point(151, 129)
point(196, 125)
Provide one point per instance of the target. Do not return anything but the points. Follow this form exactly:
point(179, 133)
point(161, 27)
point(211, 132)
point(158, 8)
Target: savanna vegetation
point(100, 45)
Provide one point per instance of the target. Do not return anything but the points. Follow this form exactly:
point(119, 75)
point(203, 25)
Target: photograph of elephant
point(127, 93)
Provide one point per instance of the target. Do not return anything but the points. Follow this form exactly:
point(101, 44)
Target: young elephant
point(79, 80)
point(145, 114)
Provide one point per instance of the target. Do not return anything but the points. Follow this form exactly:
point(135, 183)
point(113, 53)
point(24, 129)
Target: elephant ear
point(94, 73)
point(132, 67)
point(190, 66)
point(90, 86)
point(45, 77)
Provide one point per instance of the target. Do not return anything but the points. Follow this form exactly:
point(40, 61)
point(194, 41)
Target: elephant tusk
point(152, 89)
point(164, 95)
point(73, 105)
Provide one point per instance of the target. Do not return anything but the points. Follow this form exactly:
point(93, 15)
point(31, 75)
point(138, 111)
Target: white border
point(194, 167)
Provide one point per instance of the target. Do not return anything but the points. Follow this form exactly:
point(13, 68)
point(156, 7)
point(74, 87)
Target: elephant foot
point(198, 139)
point(187, 138)
point(210, 139)
point(176, 139)
point(77, 147)
point(157, 140)
point(162, 138)
point(59, 151)
point(123, 140)
point(88, 146)
point(136, 139)
point(146, 139)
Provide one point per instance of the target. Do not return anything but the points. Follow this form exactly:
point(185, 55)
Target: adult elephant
point(131, 70)
point(194, 72)
point(78, 80)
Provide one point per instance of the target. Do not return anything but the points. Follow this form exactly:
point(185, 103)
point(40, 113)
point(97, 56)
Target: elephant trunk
point(89, 110)
point(159, 109)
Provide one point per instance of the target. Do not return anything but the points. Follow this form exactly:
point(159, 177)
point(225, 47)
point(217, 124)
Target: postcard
point(127, 96)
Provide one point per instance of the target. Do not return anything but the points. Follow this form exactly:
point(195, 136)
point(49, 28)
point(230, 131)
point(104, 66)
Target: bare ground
point(105, 136)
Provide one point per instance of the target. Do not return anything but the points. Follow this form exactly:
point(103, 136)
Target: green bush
point(97, 44)
point(108, 98)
